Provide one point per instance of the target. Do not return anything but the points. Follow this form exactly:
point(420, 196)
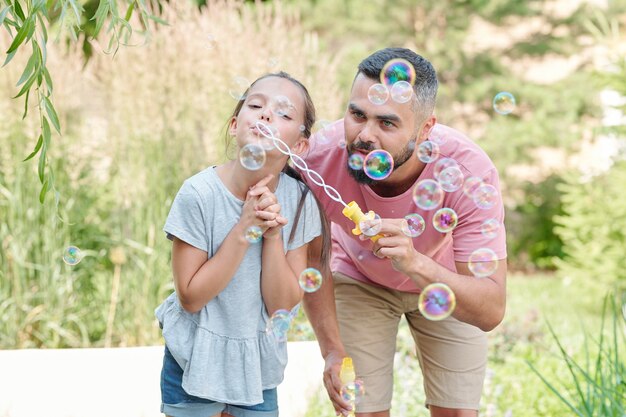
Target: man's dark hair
point(426, 83)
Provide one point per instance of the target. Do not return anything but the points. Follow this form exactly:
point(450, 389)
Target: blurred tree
point(28, 22)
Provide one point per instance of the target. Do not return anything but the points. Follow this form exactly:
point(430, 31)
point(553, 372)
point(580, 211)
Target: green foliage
point(599, 385)
point(510, 385)
point(28, 23)
point(593, 228)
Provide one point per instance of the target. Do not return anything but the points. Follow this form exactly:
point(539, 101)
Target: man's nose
point(367, 134)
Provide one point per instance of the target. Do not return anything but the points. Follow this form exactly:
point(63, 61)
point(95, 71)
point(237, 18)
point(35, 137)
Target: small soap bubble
point(414, 226)
point(279, 324)
point(451, 178)
point(238, 88)
point(428, 151)
point(471, 185)
point(342, 144)
point(378, 94)
point(504, 103)
point(442, 164)
point(252, 156)
point(378, 164)
point(436, 301)
point(490, 228)
point(355, 162)
point(353, 392)
point(485, 196)
point(483, 262)
point(401, 92)
point(254, 234)
point(396, 70)
point(282, 106)
point(370, 224)
point(72, 255)
point(445, 220)
point(427, 194)
point(310, 280)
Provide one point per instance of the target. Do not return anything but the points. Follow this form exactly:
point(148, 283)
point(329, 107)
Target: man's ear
point(427, 127)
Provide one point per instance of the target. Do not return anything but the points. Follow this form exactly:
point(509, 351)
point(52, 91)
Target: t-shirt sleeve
point(186, 218)
point(309, 225)
point(469, 235)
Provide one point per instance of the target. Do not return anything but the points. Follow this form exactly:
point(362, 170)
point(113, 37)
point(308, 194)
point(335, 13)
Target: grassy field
point(511, 388)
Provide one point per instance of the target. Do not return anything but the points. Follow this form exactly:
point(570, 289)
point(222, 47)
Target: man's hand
point(333, 383)
point(395, 245)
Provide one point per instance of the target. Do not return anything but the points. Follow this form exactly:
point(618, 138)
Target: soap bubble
point(401, 92)
point(72, 255)
point(378, 94)
point(396, 70)
point(436, 301)
point(253, 234)
point(252, 156)
point(378, 164)
point(238, 88)
point(445, 220)
point(483, 262)
point(414, 226)
point(427, 194)
point(428, 151)
point(370, 224)
point(504, 103)
point(451, 179)
point(310, 280)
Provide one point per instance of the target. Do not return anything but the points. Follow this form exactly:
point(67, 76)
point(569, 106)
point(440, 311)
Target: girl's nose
point(266, 114)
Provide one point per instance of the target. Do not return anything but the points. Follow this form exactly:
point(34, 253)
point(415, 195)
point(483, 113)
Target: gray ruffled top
point(225, 351)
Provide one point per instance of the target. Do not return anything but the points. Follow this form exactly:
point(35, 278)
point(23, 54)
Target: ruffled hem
point(221, 368)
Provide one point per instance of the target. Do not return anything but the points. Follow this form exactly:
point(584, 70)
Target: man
point(356, 312)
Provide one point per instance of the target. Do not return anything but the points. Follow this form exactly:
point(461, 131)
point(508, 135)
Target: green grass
point(511, 387)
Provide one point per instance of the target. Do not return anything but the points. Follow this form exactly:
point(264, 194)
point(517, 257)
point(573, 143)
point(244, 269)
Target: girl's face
point(277, 103)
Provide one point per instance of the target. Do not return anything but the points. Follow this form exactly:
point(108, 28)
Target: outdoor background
point(136, 123)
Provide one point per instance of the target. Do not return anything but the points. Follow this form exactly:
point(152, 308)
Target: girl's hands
point(266, 208)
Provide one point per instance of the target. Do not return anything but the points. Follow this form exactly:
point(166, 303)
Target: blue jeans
point(177, 403)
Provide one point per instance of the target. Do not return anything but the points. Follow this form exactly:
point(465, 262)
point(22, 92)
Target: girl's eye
point(254, 106)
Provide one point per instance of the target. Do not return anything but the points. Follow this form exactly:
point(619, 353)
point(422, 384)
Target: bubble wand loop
point(351, 210)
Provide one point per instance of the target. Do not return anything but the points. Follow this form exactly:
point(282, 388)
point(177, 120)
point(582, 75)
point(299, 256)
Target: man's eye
point(387, 123)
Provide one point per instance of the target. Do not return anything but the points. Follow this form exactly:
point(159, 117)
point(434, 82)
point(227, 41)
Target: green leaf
point(129, 12)
point(9, 58)
point(27, 86)
point(18, 10)
point(46, 132)
point(52, 114)
point(42, 25)
point(24, 31)
point(28, 70)
point(42, 162)
point(3, 14)
point(26, 105)
point(36, 150)
point(158, 20)
point(44, 190)
point(46, 74)
point(101, 13)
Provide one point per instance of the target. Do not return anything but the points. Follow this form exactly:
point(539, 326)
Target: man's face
point(390, 126)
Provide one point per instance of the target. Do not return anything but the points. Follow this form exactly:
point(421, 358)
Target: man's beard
point(398, 160)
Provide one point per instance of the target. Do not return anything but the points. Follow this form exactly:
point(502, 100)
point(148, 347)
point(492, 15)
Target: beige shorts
point(452, 354)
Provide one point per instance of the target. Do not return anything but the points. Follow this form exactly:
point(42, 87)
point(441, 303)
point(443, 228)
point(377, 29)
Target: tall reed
point(135, 125)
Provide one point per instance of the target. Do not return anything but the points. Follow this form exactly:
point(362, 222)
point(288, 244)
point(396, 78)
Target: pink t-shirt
point(354, 257)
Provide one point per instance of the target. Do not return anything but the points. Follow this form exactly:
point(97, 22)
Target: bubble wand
point(351, 210)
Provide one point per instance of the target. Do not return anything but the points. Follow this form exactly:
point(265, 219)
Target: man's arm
point(321, 312)
point(479, 301)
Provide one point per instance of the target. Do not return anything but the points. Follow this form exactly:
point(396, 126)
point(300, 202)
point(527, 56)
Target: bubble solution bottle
point(347, 377)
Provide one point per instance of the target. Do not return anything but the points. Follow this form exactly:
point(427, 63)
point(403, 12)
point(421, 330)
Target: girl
point(219, 358)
